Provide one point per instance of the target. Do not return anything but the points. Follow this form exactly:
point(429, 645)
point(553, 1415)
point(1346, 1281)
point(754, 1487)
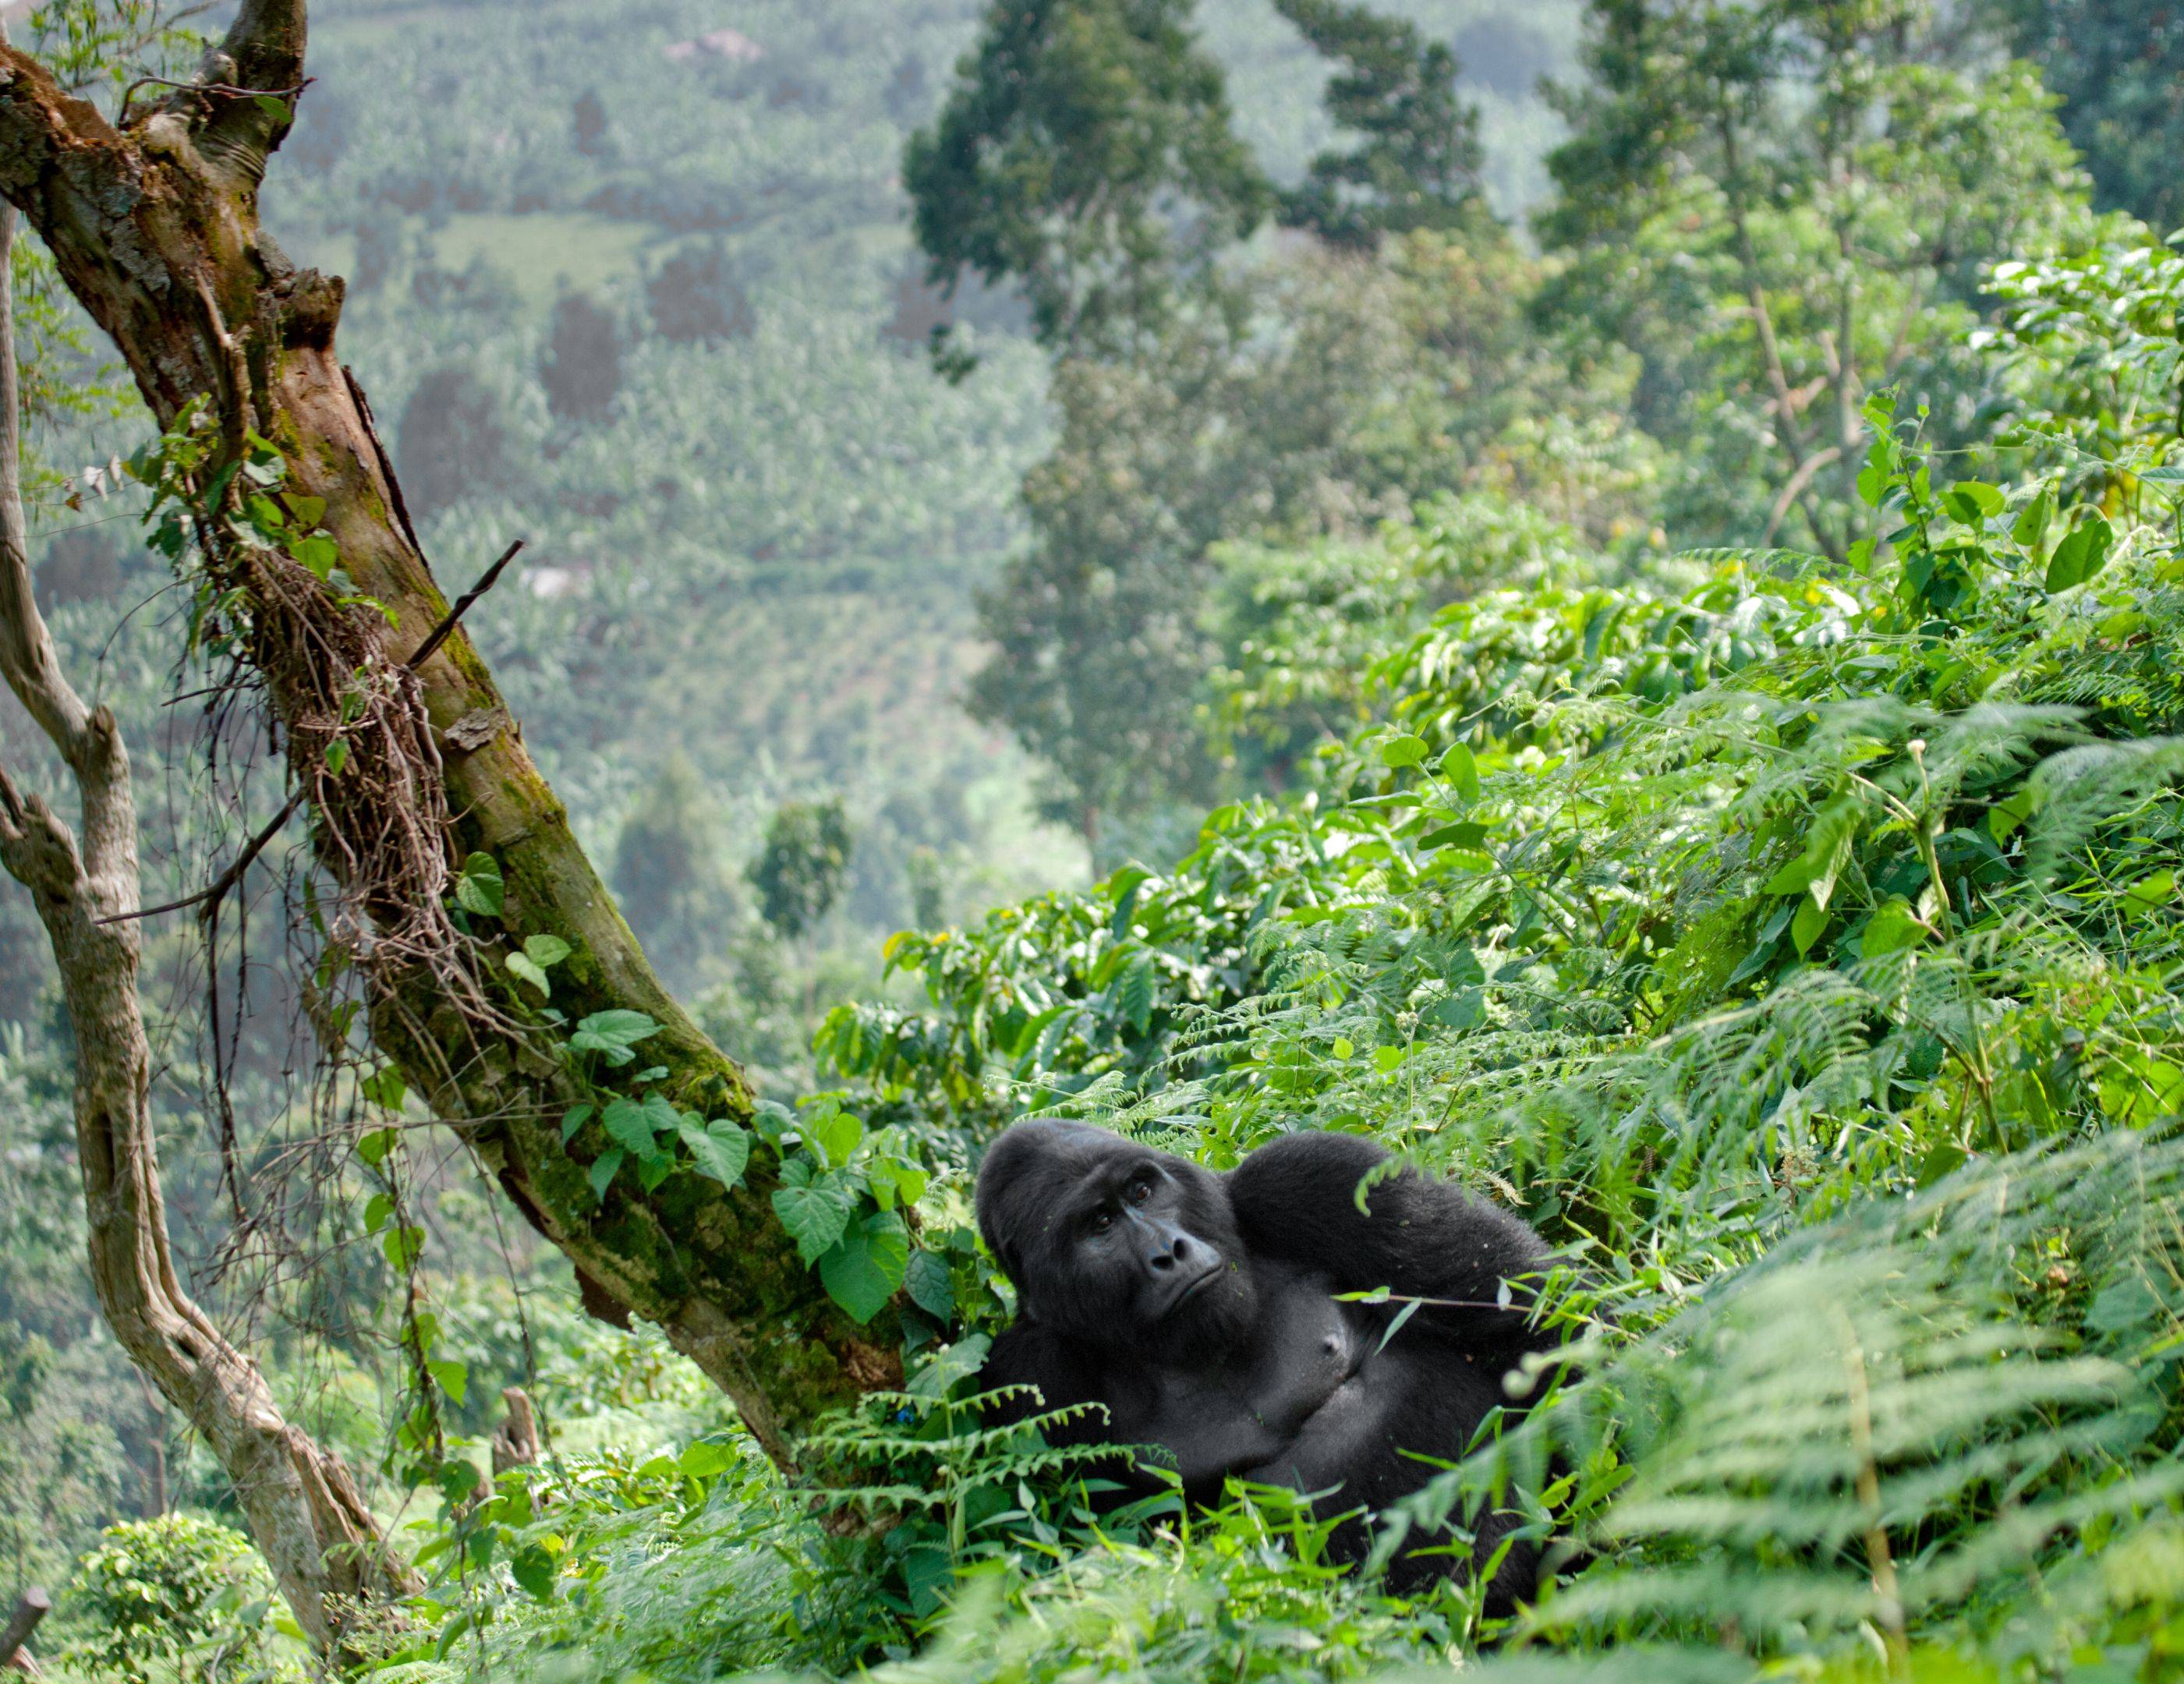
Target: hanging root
point(361, 749)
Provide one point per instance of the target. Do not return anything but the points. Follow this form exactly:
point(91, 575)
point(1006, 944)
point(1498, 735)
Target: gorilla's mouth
point(1184, 1291)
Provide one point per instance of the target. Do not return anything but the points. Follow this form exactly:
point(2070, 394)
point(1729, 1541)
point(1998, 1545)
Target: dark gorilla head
point(1112, 1243)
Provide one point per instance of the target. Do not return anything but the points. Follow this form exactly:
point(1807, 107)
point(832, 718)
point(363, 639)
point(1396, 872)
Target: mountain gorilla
point(1199, 1309)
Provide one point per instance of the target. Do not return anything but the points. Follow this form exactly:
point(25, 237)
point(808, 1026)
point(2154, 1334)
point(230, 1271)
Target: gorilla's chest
point(1308, 1354)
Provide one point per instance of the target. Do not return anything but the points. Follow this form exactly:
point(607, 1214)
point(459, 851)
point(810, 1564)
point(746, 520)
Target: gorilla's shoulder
point(1291, 1166)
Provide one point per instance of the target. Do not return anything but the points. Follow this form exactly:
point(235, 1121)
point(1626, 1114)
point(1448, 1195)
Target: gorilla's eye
point(1139, 1190)
point(1102, 1221)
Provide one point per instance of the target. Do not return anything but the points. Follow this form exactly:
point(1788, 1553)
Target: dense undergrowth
point(1798, 945)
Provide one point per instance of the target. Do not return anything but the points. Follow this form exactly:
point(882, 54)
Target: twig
point(439, 636)
point(34, 1606)
point(386, 474)
point(127, 93)
point(227, 880)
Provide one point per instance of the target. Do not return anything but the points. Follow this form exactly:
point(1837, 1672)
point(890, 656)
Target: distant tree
point(2118, 65)
point(1781, 207)
point(926, 878)
point(1372, 376)
point(451, 441)
point(799, 870)
point(695, 299)
point(922, 309)
point(1086, 152)
point(1416, 161)
point(582, 368)
point(378, 244)
point(905, 90)
point(589, 117)
point(1504, 52)
point(669, 876)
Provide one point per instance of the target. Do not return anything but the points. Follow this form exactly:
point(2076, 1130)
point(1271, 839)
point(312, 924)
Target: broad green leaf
point(895, 1182)
point(522, 965)
point(403, 1245)
point(1943, 1158)
point(1892, 928)
point(451, 1377)
point(574, 1118)
point(1805, 928)
point(720, 1150)
point(932, 1287)
point(2030, 529)
point(2003, 818)
point(479, 888)
point(545, 952)
point(384, 1087)
point(321, 556)
point(704, 1460)
point(1468, 837)
point(951, 1364)
point(862, 1272)
point(2151, 893)
point(305, 511)
point(628, 1028)
point(336, 757)
point(611, 1034)
point(1827, 849)
point(1404, 750)
point(2082, 553)
point(1461, 769)
point(814, 1210)
point(834, 1133)
point(603, 1172)
point(1973, 501)
point(532, 1568)
point(629, 1124)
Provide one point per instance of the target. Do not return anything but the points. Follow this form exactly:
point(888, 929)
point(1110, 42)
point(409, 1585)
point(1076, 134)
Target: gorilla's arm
point(1029, 1355)
point(1296, 1198)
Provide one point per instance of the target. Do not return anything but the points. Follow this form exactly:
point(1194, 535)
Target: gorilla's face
point(1114, 1244)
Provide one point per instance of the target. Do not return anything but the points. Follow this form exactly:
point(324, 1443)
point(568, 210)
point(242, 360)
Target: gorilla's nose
point(1167, 1256)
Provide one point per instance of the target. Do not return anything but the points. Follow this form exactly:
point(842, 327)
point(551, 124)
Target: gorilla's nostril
point(1162, 1260)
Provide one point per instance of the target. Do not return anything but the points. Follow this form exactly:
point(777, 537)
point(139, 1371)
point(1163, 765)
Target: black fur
point(1199, 1308)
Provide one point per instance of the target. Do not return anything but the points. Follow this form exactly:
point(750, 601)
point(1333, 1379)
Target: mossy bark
point(155, 228)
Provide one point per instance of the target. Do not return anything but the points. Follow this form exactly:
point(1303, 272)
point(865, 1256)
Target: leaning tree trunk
point(155, 228)
point(303, 1509)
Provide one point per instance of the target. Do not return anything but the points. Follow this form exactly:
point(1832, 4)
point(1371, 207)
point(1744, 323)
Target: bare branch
point(210, 896)
point(26, 648)
point(1795, 488)
point(439, 632)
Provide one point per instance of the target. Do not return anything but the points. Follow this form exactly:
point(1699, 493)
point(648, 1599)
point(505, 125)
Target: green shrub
point(176, 1598)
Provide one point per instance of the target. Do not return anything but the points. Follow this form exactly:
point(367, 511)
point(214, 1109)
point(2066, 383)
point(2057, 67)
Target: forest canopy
point(1592, 593)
